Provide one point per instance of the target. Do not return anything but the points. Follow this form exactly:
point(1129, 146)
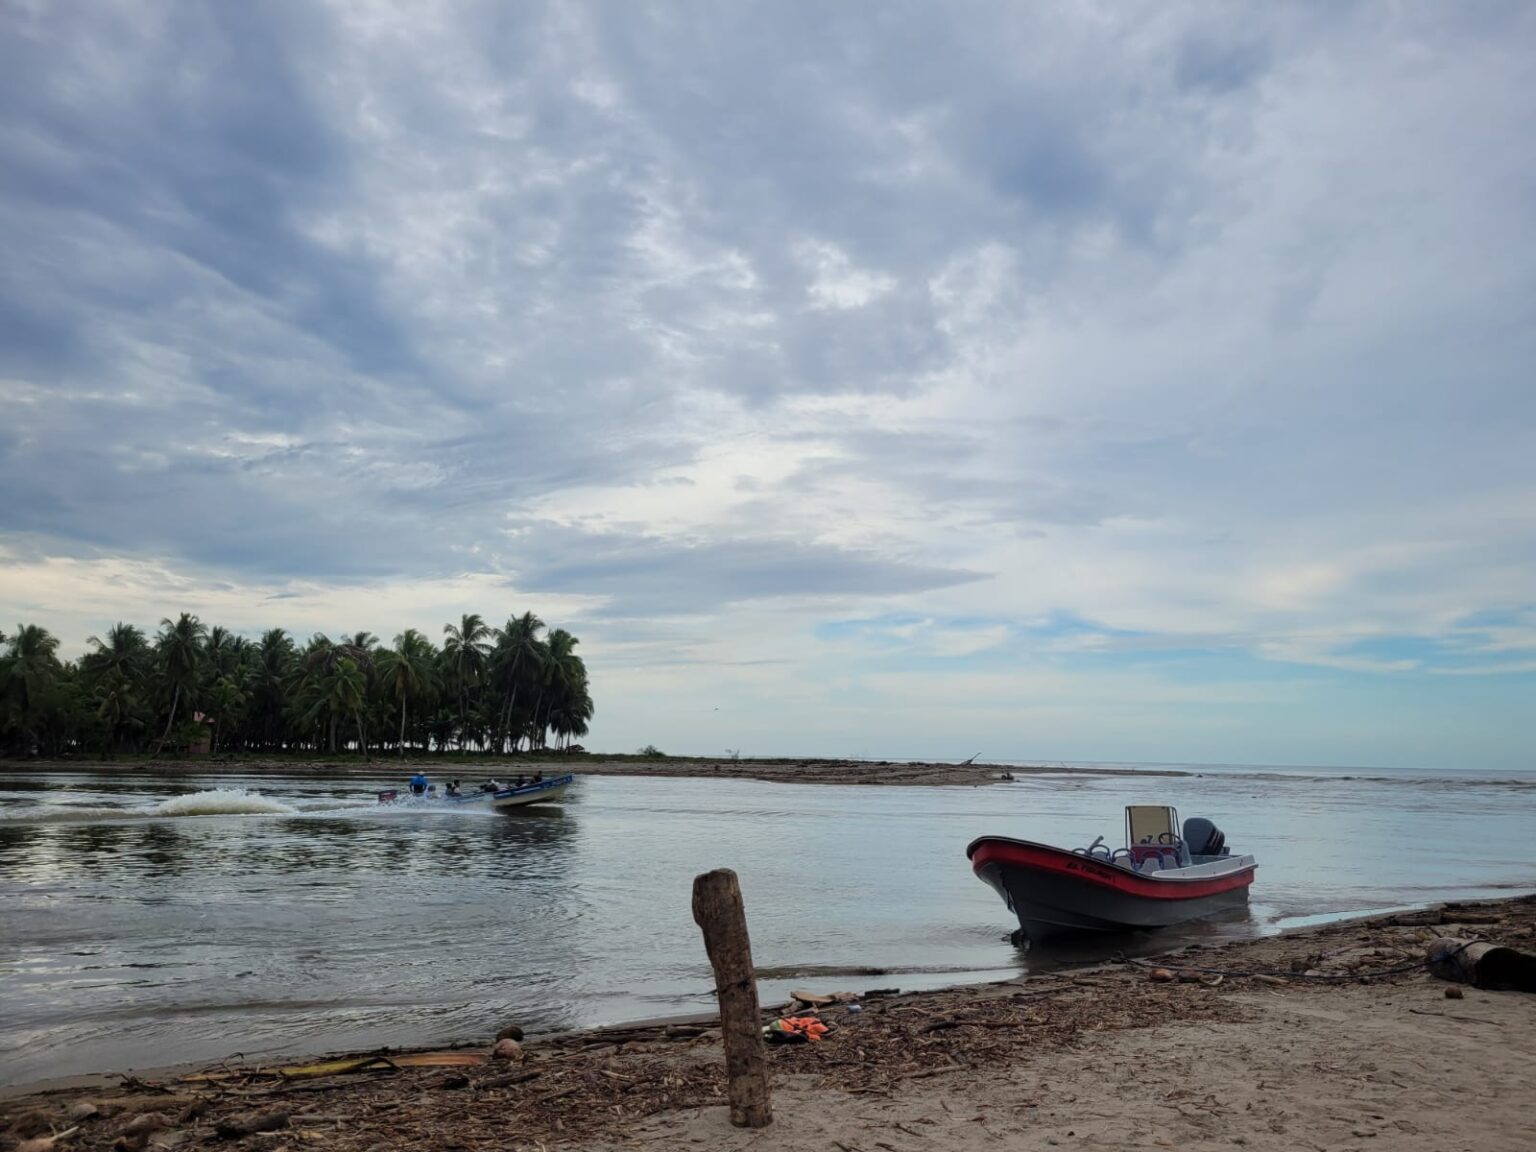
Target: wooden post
point(718, 911)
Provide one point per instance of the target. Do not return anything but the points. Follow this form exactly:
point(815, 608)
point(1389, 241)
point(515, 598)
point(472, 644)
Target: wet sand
point(1263, 1058)
point(787, 771)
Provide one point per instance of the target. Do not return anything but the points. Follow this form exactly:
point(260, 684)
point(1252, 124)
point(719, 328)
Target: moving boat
point(501, 800)
point(1165, 875)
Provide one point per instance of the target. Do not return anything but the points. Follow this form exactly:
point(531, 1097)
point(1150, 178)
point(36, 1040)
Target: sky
point(1098, 381)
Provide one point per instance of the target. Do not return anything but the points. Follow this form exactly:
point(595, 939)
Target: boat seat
point(1151, 857)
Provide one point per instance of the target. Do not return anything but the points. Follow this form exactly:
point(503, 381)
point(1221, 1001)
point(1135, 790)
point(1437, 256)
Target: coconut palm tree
point(517, 652)
point(179, 647)
point(224, 706)
point(487, 688)
point(125, 652)
point(407, 672)
point(117, 707)
point(464, 654)
point(561, 670)
point(337, 695)
point(31, 669)
point(269, 681)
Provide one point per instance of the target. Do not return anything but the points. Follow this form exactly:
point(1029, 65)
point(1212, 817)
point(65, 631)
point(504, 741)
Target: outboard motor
point(1203, 838)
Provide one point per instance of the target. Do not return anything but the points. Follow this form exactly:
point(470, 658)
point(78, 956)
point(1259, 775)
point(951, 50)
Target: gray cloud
point(357, 293)
point(646, 576)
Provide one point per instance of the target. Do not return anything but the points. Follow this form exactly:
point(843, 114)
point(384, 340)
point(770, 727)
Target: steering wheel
point(1168, 838)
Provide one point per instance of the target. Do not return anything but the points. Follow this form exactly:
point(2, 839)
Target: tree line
point(487, 690)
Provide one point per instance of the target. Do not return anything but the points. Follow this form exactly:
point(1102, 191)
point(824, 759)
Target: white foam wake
point(223, 802)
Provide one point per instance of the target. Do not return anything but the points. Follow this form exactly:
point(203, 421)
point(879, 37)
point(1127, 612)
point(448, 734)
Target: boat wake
point(215, 802)
point(224, 802)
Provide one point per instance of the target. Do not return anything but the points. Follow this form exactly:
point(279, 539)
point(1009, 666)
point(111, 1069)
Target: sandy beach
point(1263, 1057)
point(787, 771)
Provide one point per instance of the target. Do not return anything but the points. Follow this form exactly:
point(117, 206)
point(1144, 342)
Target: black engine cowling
point(1203, 838)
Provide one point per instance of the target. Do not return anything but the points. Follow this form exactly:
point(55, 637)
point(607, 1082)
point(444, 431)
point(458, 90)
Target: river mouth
point(152, 920)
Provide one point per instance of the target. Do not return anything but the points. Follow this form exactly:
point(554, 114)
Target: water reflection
point(133, 938)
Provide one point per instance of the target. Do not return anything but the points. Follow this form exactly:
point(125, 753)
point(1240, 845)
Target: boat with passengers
point(493, 795)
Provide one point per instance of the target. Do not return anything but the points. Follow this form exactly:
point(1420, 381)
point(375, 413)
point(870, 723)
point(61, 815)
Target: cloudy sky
point(1092, 381)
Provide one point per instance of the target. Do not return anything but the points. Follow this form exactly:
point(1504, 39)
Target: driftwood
point(1482, 965)
point(718, 911)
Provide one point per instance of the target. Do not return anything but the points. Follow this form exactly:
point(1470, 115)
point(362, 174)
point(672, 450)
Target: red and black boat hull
point(1055, 893)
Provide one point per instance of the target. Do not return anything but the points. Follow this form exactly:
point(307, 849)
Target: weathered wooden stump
point(718, 911)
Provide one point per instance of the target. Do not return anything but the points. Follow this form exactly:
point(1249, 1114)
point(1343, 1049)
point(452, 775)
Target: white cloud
point(1208, 333)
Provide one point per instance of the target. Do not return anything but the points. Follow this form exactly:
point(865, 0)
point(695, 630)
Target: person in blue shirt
point(419, 784)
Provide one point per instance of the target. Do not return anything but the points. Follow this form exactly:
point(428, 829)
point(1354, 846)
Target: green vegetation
point(487, 691)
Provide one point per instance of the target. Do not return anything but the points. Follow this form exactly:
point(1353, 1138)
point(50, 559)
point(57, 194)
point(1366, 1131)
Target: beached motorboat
point(501, 800)
point(1165, 875)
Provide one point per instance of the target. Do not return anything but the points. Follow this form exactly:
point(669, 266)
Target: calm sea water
point(149, 921)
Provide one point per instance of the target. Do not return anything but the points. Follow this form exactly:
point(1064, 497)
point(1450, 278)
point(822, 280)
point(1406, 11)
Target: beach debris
point(508, 1080)
point(249, 1123)
point(794, 1030)
point(1418, 919)
point(438, 1059)
point(511, 1032)
point(32, 1122)
point(1482, 965)
point(46, 1143)
point(82, 1110)
point(1161, 976)
point(720, 915)
point(147, 1122)
point(811, 999)
point(508, 1050)
point(1455, 992)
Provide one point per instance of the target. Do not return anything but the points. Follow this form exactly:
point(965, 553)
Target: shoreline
point(789, 770)
point(1261, 1054)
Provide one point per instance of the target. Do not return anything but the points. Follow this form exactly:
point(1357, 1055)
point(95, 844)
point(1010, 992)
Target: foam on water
point(60, 814)
point(223, 802)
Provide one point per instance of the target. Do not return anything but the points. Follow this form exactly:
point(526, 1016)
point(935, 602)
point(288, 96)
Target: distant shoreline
point(786, 770)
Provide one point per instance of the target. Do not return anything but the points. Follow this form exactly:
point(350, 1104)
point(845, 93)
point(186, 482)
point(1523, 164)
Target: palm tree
point(517, 648)
point(117, 706)
point(464, 654)
point(124, 652)
point(218, 651)
point(269, 681)
point(336, 695)
point(572, 708)
point(180, 645)
point(224, 706)
point(487, 688)
point(562, 669)
point(406, 671)
point(31, 670)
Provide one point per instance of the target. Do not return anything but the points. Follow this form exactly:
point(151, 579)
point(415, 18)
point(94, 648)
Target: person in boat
point(453, 788)
point(520, 781)
point(419, 784)
point(491, 785)
point(538, 777)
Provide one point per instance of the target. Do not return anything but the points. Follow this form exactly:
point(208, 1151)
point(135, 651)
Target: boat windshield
point(1150, 823)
